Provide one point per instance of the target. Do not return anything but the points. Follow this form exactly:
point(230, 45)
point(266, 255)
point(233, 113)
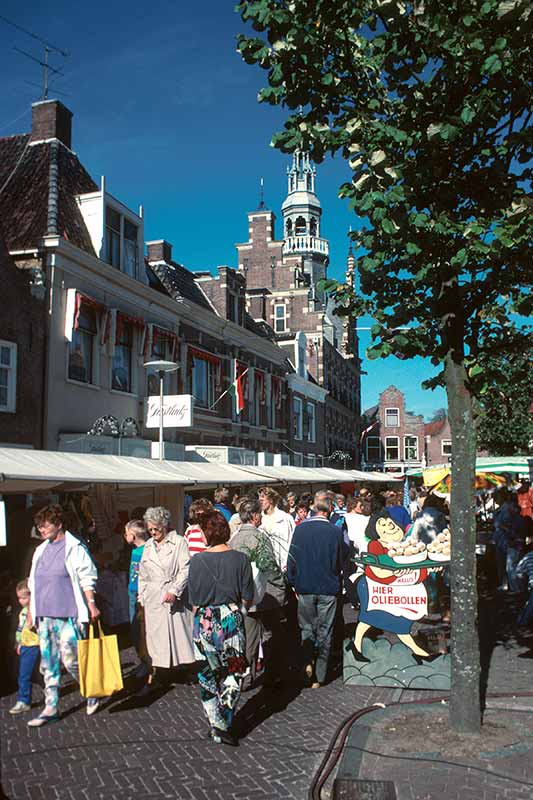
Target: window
point(446, 447)
point(373, 449)
point(311, 422)
point(313, 227)
point(392, 448)
point(392, 417)
point(300, 226)
point(159, 353)
point(81, 349)
point(280, 318)
point(297, 418)
point(112, 237)
point(121, 242)
point(121, 374)
point(203, 382)
point(131, 248)
point(410, 448)
point(8, 376)
point(288, 227)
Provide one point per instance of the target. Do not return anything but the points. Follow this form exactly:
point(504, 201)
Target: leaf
point(413, 249)
point(389, 226)
point(468, 20)
point(467, 115)
point(492, 64)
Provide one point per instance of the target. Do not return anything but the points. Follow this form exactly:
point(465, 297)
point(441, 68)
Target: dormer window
point(121, 242)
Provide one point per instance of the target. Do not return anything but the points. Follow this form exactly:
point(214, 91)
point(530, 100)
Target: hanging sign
point(177, 411)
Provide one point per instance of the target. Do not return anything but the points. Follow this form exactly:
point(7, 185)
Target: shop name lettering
point(176, 410)
point(385, 596)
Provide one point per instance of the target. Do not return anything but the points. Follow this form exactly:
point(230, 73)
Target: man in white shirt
point(277, 524)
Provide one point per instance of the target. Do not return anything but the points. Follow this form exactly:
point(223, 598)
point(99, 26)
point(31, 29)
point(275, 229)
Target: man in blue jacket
point(314, 569)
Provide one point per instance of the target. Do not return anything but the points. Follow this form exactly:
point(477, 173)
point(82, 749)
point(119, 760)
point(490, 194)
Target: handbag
point(99, 664)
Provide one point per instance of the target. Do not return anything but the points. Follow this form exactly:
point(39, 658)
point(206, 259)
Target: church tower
point(302, 214)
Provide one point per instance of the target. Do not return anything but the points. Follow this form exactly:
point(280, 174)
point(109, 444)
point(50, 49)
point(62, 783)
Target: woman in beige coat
point(163, 575)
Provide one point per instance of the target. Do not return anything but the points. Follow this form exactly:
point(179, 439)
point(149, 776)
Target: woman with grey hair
point(163, 577)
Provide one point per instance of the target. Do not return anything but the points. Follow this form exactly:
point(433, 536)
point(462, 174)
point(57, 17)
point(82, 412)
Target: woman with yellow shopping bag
point(99, 664)
point(62, 582)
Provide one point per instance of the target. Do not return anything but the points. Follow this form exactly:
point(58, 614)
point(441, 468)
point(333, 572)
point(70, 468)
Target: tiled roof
point(24, 201)
point(434, 428)
point(179, 283)
point(258, 327)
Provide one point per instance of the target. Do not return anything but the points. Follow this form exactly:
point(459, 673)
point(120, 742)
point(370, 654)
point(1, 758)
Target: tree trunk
point(465, 709)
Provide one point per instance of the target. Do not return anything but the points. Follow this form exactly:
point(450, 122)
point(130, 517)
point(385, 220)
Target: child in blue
point(28, 650)
point(136, 536)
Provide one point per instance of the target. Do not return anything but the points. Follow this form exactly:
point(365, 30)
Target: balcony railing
point(305, 244)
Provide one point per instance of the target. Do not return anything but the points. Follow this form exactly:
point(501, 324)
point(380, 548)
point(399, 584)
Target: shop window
point(8, 376)
point(392, 448)
point(82, 347)
point(121, 374)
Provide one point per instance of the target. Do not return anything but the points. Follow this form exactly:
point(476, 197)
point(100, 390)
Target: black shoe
point(356, 654)
point(223, 737)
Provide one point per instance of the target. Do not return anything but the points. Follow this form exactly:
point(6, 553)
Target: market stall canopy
point(38, 470)
point(320, 475)
point(490, 464)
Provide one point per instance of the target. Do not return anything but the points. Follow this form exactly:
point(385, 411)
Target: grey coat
point(247, 539)
point(168, 627)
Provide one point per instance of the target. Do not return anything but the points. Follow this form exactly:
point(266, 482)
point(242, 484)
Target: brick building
point(85, 310)
point(438, 441)
point(22, 347)
point(395, 437)
point(281, 281)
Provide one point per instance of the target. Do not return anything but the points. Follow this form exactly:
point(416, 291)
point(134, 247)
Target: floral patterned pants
point(58, 640)
point(220, 643)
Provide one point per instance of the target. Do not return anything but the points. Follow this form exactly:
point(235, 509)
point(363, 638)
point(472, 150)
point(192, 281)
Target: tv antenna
point(45, 61)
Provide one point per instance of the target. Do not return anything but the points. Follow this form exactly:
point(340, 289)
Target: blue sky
point(167, 111)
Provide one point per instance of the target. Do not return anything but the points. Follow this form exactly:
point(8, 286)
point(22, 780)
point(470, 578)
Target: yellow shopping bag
point(99, 664)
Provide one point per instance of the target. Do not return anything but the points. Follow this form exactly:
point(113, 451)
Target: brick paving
point(131, 749)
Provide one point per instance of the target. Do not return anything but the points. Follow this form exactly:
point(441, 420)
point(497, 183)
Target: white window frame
point(397, 411)
point(387, 447)
point(122, 246)
point(282, 319)
point(405, 454)
point(94, 383)
point(443, 444)
point(298, 429)
point(134, 387)
point(311, 422)
point(11, 406)
point(368, 440)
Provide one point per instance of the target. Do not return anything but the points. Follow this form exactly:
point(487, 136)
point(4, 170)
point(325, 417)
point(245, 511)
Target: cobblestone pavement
point(157, 747)
point(161, 750)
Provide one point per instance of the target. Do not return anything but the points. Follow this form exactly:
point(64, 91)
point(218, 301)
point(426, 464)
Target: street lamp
point(161, 367)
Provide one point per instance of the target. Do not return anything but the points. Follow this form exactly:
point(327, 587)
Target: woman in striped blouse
point(194, 535)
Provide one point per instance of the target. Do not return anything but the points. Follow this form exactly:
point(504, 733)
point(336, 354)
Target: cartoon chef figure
point(390, 600)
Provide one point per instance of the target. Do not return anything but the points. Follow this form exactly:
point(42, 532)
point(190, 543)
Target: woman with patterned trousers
point(61, 582)
point(220, 583)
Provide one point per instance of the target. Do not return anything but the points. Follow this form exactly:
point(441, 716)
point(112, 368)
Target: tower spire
point(261, 206)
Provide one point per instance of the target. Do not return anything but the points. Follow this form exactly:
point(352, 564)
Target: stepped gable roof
point(178, 282)
point(434, 428)
point(24, 201)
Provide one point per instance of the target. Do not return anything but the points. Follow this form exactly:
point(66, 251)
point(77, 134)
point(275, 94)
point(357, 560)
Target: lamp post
point(161, 367)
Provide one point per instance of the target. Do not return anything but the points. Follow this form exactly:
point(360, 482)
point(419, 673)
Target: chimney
point(51, 120)
point(160, 250)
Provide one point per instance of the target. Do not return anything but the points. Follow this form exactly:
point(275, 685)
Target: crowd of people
point(228, 598)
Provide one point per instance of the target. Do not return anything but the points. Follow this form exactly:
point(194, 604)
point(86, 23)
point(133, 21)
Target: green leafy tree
point(429, 103)
point(505, 419)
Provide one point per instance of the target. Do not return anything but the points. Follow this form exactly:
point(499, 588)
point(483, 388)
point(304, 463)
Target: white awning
point(29, 471)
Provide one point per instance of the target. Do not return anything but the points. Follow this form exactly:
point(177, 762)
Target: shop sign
point(177, 411)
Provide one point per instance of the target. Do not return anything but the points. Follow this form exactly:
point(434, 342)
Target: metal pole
point(161, 377)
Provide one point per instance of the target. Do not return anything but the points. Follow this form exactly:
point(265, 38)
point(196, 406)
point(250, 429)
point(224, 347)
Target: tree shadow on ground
point(497, 626)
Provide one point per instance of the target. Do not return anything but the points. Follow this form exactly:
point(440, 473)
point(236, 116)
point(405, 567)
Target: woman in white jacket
point(62, 582)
